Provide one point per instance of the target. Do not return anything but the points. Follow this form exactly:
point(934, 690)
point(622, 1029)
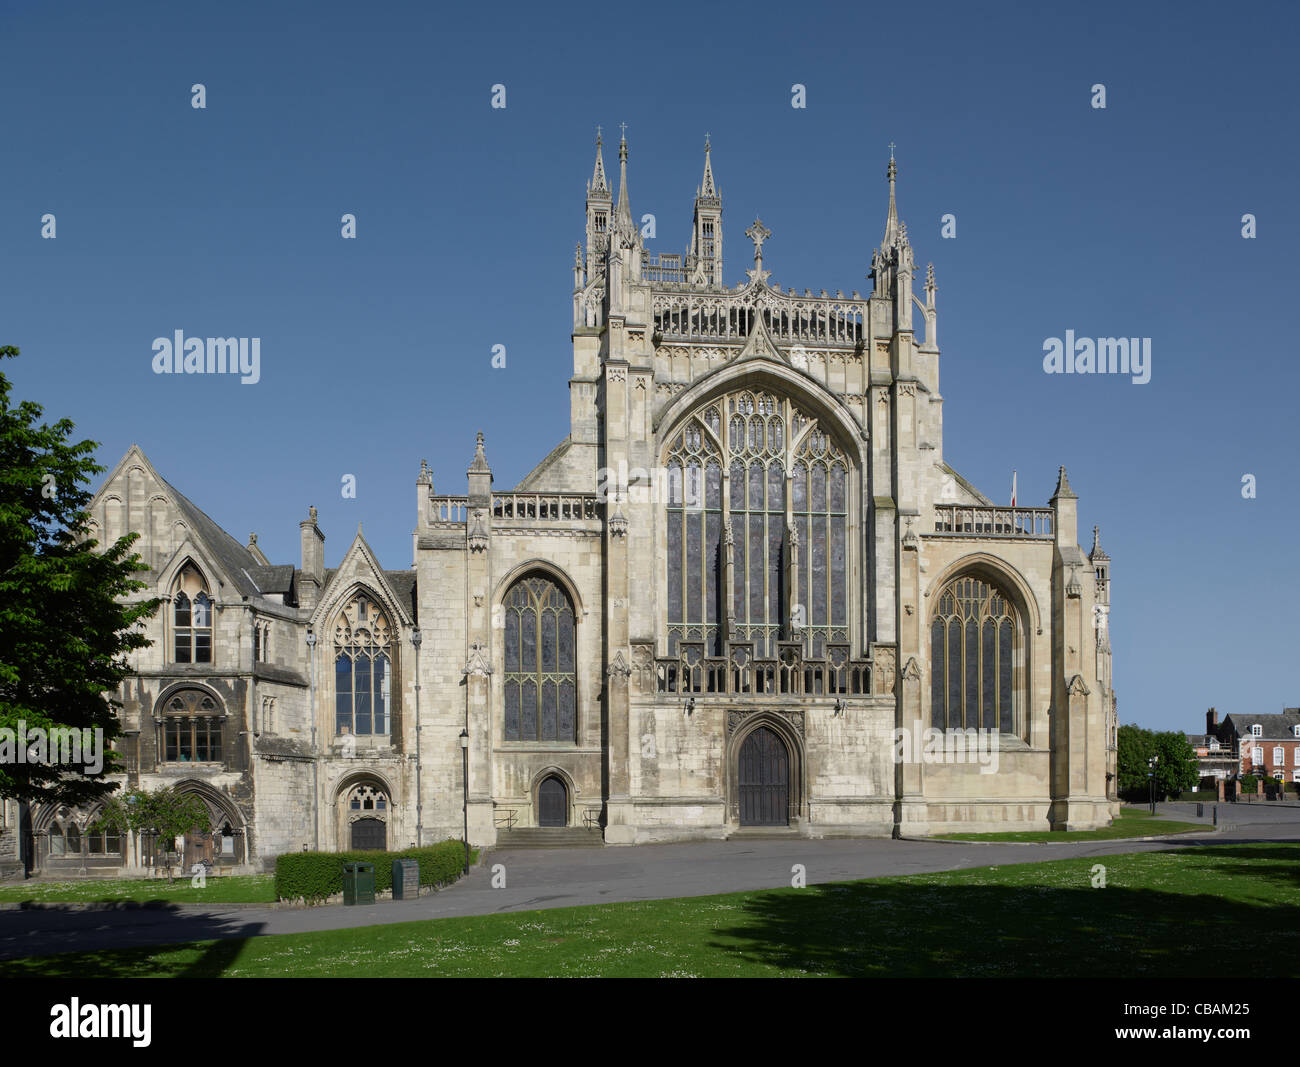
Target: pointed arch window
point(191, 728)
point(362, 669)
point(191, 617)
point(762, 553)
point(540, 648)
point(974, 639)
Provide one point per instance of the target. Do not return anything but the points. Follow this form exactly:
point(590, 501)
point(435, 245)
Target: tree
point(1177, 769)
point(1134, 749)
point(165, 813)
point(66, 623)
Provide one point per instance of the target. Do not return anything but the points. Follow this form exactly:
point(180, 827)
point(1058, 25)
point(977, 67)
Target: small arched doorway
point(369, 834)
point(764, 779)
point(552, 803)
point(367, 810)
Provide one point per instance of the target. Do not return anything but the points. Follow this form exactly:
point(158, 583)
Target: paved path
point(566, 877)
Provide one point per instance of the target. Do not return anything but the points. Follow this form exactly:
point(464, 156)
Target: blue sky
point(376, 352)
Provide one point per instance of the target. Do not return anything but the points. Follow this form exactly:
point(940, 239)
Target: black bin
point(358, 883)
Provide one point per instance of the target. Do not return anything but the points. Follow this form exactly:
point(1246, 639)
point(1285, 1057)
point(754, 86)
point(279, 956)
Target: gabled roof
point(1275, 727)
point(242, 567)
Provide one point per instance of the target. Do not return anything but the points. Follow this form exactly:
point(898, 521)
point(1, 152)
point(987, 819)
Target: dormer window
point(1257, 730)
point(1295, 730)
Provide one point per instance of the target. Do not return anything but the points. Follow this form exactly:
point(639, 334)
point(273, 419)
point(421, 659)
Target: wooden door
point(552, 803)
point(764, 778)
point(370, 834)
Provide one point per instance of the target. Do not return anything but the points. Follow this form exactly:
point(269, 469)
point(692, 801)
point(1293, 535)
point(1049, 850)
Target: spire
point(624, 209)
point(1097, 552)
point(480, 463)
point(598, 186)
point(708, 190)
point(704, 261)
point(1063, 487)
point(892, 229)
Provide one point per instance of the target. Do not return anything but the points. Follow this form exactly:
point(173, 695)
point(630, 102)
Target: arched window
point(541, 678)
point(191, 617)
point(362, 669)
point(191, 728)
point(973, 639)
point(780, 517)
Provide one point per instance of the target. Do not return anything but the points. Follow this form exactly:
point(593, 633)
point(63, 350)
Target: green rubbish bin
point(406, 879)
point(358, 883)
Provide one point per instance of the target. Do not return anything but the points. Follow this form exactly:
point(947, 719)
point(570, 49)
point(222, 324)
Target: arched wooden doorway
point(369, 833)
point(552, 803)
point(764, 779)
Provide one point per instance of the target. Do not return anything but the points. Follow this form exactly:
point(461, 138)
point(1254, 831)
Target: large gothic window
point(362, 669)
point(191, 728)
point(972, 645)
point(191, 617)
point(765, 549)
point(540, 679)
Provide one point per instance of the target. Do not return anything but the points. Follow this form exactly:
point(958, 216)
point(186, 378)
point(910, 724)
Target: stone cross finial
point(311, 511)
point(758, 233)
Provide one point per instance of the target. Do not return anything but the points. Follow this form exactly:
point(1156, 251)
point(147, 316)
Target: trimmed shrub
point(314, 876)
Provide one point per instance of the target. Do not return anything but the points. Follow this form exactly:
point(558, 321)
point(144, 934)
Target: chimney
point(313, 561)
point(1212, 722)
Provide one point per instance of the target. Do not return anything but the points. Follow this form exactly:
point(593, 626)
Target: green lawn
point(1177, 914)
point(247, 889)
point(1132, 822)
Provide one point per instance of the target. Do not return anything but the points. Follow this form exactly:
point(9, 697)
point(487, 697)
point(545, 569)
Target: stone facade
point(621, 642)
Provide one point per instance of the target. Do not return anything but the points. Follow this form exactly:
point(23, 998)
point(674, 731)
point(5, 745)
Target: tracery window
point(540, 676)
point(972, 647)
point(191, 617)
point(191, 728)
point(362, 668)
point(763, 551)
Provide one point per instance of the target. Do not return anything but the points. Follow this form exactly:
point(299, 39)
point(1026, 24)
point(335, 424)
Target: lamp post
point(416, 638)
point(315, 756)
point(464, 753)
point(1151, 777)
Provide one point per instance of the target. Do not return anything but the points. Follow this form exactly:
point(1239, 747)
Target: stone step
point(549, 837)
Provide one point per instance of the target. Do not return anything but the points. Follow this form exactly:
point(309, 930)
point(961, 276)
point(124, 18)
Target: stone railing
point(962, 520)
point(514, 508)
point(740, 674)
point(448, 510)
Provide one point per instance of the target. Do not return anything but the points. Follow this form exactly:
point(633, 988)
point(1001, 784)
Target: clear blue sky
point(376, 352)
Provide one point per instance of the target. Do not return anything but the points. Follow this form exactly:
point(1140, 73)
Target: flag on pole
point(1013, 489)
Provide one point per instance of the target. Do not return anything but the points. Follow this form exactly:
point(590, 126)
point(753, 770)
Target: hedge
point(313, 876)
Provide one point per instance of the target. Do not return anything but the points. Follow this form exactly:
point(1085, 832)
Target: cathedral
point(746, 594)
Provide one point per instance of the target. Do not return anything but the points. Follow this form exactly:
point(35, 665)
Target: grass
point(243, 889)
point(1132, 822)
point(1183, 913)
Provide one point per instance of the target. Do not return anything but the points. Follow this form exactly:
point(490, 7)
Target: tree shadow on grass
point(141, 943)
point(896, 930)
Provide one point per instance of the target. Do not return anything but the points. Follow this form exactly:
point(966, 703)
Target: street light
point(464, 752)
point(1151, 777)
point(416, 639)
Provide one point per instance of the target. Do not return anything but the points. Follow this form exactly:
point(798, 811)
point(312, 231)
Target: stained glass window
point(972, 646)
point(540, 677)
point(362, 669)
point(784, 473)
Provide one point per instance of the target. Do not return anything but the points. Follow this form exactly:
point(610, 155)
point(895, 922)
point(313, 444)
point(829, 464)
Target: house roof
point(1274, 726)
